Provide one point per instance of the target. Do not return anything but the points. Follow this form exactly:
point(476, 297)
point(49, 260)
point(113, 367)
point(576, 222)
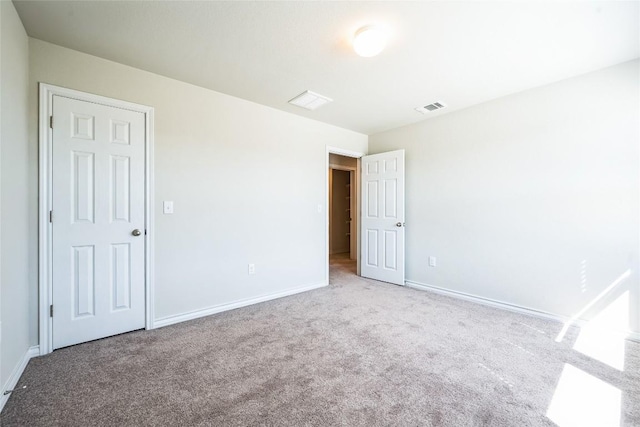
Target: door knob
point(399, 224)
point(136, 232)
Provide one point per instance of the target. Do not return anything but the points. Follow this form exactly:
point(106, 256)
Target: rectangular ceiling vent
point(431, 107)
point(310, 100)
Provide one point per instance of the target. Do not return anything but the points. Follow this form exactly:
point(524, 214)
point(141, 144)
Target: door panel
point(372, 199)
point(383, 230)
point(390, 246)
point(121, 276)
point(97, 200)
point(120, 183)
point(83, 279)
point(390, 198)
point(372, 248)
point(82, 182)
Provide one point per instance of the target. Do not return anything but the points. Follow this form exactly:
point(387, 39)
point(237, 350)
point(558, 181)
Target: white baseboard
point(177, 318)
point(13, 379)
point(633, 336)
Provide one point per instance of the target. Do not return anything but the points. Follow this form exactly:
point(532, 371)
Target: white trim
point(17, 372)
point(46, 93)
point(178, 318)
point(150, 218)
point(44, 230)
point(343, 152)
point(347, 153)
point(630, 335)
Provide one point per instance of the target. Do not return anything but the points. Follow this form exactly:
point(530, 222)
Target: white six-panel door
point(98, 203)
point(382, 231)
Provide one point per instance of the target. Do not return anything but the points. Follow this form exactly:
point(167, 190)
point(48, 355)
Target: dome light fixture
point(369, 41)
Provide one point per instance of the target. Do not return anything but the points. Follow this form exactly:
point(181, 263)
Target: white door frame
point(346, 153)
point(45, 249)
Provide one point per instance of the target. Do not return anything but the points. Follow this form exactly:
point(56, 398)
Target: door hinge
point(51, 310)
point(50, 216)
point(51, 122)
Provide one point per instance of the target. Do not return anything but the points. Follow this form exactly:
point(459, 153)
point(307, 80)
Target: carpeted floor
point(356, 353)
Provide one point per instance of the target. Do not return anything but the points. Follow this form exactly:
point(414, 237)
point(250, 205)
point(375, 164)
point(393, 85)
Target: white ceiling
point(459, 53)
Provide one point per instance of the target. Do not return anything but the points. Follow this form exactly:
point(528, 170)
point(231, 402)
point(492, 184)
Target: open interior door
point(382, 230)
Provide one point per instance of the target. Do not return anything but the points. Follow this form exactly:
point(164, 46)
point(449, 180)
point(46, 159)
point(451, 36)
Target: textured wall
point(18, 256)
point(530, 199)
point(246, 181)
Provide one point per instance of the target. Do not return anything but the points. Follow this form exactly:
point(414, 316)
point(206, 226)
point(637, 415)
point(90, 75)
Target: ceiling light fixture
point(369, 41)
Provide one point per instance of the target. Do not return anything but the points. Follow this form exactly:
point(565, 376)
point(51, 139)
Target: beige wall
point(246, 181)
point(18, 259)
point(531, 199)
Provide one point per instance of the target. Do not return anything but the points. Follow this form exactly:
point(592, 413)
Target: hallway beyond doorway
point(341, 266)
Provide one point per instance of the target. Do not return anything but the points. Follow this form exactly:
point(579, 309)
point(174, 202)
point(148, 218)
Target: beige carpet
point(357, 353)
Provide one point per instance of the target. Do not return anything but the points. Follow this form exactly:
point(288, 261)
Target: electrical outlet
point(252, 269)
point(432, 261)
point(167, 207)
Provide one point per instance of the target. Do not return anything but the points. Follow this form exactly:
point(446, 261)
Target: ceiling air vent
point(431, 107)
point(310, 100)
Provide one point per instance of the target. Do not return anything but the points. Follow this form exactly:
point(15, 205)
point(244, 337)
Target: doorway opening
point(343, 212)
point(377, 217)
point(340, 218)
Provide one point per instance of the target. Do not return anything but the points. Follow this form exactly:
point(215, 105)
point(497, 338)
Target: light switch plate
point(167, 207)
